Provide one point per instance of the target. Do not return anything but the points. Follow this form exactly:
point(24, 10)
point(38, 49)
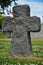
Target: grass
point(21, 61)
point(5, 49)
point(37, 43)
point(2, 35)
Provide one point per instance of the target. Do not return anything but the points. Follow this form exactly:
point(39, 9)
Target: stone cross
point(22, 25)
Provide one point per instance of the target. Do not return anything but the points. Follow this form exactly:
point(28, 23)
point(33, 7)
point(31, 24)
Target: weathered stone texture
point(22, 26)
point(21, 10)
point(7, 26)
point(29, 23)
point(20, 41)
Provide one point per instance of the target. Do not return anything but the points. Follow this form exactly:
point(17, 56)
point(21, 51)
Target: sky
point(36, 7)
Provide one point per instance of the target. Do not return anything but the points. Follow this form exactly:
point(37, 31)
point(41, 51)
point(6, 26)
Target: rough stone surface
point(7, 26)
point(38, 34)
point(20, 44)
point(21, 10)
point(23, 24)
point(30, 23)
point(20, 26)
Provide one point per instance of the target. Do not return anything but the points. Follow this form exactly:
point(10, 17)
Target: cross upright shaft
point(7, 26)
point(22, 25)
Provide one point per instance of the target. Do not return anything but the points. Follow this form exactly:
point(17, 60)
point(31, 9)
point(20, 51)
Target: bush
point(1, 19)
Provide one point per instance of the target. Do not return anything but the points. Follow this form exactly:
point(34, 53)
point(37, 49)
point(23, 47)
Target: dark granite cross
point(23, 24)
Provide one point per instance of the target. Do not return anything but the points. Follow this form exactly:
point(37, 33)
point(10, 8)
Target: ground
point(37, 47)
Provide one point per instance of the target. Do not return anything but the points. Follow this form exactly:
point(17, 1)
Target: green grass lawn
point(37, 43)
point(21, 61)
point(4, 50)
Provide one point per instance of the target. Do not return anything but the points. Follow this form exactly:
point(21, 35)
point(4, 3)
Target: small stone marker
point(22, 25)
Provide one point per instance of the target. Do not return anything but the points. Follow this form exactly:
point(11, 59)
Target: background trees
point(5, 3)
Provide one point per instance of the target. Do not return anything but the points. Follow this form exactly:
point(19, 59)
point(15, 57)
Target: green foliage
point(2, 36)
point(5, 3)
point(1, 19)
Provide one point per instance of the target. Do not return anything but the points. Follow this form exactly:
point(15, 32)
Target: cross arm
point(7, 26)
point(31, 24)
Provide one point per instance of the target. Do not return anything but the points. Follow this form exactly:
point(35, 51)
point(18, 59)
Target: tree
point(5, 3)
